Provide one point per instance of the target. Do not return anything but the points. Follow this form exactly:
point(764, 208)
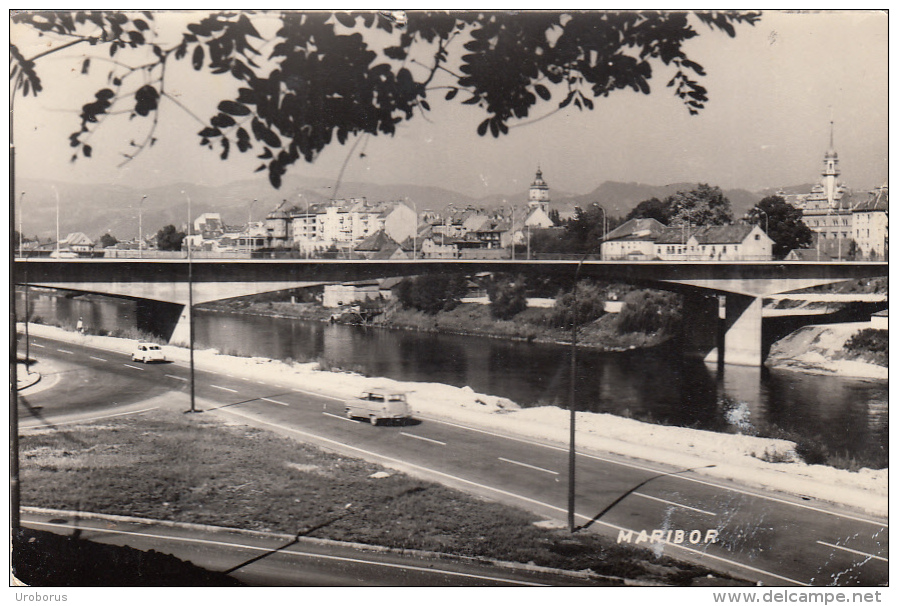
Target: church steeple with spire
point(830, 170)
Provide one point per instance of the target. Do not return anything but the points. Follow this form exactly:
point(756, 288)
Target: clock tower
point(539, 193)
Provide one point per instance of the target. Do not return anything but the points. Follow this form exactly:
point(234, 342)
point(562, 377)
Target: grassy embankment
point(200, 469)
point(532, 325)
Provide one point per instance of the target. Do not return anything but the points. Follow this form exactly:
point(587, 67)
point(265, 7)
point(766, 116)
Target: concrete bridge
point(161, 286)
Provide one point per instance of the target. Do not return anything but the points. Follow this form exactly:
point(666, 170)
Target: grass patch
point(45, 559)
point(188, 468)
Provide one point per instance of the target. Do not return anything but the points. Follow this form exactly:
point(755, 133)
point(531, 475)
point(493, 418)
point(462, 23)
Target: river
point(843, 415)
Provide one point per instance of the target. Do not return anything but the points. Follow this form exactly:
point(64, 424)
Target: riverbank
point(471, 319)
point(763, 463)
point(821, 349)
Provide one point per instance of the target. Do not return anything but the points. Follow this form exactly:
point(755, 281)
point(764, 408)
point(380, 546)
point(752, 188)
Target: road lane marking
point(134, 367)
point(65, 351)
point(862, 553)
point(680, 477)
point(411, 435)
point(37, 345)
point(339, 417)
point(318, 395)
point(98, 359)
point(528, 466)
point(275, 401)
point(292, 551)
point(177, 377)
point(88, 419)
point(694, 552)
point(674, 503)
point(223, 388)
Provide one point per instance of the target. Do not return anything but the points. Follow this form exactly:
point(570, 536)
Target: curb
point(434, 555)
point(31, 379)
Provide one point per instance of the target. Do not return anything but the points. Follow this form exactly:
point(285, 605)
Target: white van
point(379, 405)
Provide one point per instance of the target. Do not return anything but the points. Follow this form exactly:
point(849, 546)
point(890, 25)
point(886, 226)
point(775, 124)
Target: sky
point(773, 90)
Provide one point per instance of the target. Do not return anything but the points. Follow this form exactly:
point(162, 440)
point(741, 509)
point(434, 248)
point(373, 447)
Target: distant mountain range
point(102, 208)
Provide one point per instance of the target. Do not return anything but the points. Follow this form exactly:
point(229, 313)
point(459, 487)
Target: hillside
point(619, 198)
point(101, 208)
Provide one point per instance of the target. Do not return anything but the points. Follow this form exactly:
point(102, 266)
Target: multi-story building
point(340, 223)
point(870, 225)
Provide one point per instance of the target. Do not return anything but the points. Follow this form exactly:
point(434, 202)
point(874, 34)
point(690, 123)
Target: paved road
point(265, 559)
point(769, 538)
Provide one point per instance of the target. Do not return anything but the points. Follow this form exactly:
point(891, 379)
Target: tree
point(169, 238)
point(107, 240)
point(704, 205)
point(333, 75)
point(590, 304)
point(587, 228)
point(508, 297)
point(431, 293)
point(652, 208)
point(555, 216)
point(786, 227)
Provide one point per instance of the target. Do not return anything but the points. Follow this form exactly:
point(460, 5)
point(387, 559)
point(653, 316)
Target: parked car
point(379, 405)
point(147, 352)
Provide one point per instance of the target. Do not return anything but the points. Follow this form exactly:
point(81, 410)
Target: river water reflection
point(846, 415)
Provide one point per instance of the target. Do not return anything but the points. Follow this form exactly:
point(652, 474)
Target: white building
point(642, 239)
point(870, 225)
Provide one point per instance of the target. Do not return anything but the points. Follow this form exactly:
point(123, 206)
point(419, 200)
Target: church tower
point(830, 171)
point(539, 193)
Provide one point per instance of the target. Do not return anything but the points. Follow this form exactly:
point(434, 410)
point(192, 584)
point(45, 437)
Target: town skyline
point(766, 126)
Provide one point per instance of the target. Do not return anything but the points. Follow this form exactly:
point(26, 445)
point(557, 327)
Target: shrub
point(507, 297)
point(650, 311)
point(590, 305)
point(871, 342)
point(431, 293)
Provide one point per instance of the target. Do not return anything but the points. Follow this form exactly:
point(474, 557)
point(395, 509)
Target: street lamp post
point(415, 233)
point(56, 193)
point(21, 228)
point(25, 264)
point(190, 307)
point(572, 403)
point(140, 228)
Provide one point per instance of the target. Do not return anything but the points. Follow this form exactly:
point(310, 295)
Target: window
point(757, 236)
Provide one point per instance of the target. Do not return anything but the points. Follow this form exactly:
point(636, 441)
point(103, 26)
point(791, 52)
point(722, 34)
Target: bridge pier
point(701, 331)
point(166, 320)
point(740, 337)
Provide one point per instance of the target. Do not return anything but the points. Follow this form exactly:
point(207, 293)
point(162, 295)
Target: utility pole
point(140, 227)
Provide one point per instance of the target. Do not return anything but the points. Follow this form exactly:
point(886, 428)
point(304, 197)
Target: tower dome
point(539, 192)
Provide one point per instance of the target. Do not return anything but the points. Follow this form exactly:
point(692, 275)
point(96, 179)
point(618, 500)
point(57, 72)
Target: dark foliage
point(45, 559)
point(786, 227)
point(508, 297)
point(431, 293)
point(590, 304)
point(169, 238)
point(651, 209)
point(871, 342)
point(650, 311)
point(321, 79)
point(704, 205)
point(107, 240)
